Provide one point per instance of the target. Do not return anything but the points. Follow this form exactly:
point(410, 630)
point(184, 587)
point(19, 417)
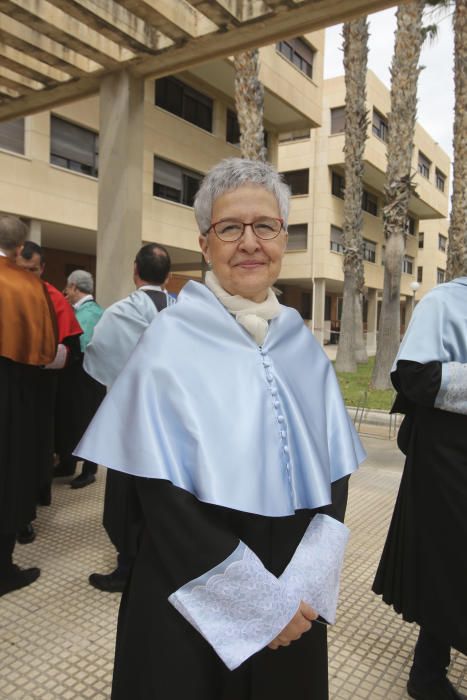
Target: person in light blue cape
point(236, 434)
point(423, 568)
point(114, 339)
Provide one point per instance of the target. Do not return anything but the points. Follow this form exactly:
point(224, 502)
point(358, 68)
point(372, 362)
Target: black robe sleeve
point(219, 585)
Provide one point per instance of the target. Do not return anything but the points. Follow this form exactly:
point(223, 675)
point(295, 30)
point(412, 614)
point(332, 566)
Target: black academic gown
point(19, 444)
point(159, 655)
point(77, 400)
point(48, 381)
point(423, 568)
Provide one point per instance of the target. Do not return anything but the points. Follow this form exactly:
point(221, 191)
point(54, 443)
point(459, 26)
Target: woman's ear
point(204, 245)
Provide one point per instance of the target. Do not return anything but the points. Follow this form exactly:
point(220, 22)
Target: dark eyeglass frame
point(246, 223)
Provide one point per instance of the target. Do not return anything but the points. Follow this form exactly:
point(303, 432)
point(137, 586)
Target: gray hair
point(231, 173)
point(13, 232)
point(83, 280)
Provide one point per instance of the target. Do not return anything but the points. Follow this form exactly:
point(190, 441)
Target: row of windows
point(442, 241)
point(298, 52)
point(440, 275)
point(337, 244)
point(76, 148)
point(380, 128)
point(369, 200)
point(379, 124)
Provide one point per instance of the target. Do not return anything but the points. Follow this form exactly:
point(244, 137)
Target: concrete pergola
point(58, 51)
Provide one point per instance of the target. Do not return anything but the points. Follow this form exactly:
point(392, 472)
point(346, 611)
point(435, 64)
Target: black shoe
point(111, 583)
point(18, 578)
point(440, 691)
point(26, 535)
point(82, 480)
point(63, 470)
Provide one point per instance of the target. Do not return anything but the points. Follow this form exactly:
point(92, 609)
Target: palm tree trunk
point(356, 130)
point(457, 246)
point(398, 187)
point(249, 103)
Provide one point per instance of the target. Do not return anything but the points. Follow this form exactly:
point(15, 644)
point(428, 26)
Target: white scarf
point(251, 315)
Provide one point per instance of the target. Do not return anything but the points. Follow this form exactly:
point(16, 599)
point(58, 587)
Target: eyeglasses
point(230, 230)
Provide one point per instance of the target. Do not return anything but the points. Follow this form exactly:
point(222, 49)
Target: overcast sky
point(435, 88)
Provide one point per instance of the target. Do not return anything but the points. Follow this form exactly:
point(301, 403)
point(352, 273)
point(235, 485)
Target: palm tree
point(405, 70)
point(351, 348)
point(249, 102)
point(457, 246)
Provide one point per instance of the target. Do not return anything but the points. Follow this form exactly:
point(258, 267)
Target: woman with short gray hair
point(230, 419)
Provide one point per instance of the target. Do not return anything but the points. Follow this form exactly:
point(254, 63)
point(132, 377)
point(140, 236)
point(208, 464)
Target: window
point(421, 239)
point(299, 52)
point(298, 135)
point(73, 147)
point(383, 254)
point(370, 203)
point(338, 185)
point(185, 102)
point(12, 135)
point(298, 237)
point(174, 182)
point(442, 241)
point(419, 274)
point(424, 165)
point(337, 239)
point(410, 226)
point(337, 120)
point(369, 250)
point(297, 180)
point(440, 179)
point(233, 129)
point(232, 132)
point(380, 126)
point(440, 275)
point(407, 264)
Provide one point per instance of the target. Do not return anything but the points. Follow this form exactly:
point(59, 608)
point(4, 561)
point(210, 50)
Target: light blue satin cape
point(257, 429)
point(438, 328)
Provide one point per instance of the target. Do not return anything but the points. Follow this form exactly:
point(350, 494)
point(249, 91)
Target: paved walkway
point(57, 636)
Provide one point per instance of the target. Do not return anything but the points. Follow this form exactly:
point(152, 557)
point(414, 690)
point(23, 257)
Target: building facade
point(49, 174)
point(313, 164)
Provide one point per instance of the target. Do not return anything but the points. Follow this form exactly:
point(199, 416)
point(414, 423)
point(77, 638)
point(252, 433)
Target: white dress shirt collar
point(88, 297)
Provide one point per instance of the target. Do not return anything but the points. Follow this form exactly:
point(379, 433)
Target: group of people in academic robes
point(229, 451)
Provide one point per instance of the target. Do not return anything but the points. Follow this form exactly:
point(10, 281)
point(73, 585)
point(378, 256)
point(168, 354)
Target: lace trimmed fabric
point(240, 607)
point(313, 573)
point(452, 395)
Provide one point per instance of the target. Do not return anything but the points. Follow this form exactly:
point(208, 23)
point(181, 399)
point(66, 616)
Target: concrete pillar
point(120, 198)
point(319, 298)
point(372, 321)
point(35, 231)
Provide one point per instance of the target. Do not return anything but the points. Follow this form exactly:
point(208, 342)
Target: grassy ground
point(354, 386)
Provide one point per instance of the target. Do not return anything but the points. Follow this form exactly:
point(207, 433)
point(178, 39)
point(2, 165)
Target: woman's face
point(250, 265)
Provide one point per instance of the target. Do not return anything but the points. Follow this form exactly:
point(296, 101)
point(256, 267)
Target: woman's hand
point(298, 625)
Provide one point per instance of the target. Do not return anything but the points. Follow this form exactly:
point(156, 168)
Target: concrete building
point(313, 163)
point(50, 163)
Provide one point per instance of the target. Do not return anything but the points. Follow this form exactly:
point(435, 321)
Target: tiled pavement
point(57, 636)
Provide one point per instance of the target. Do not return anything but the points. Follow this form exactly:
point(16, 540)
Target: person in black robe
point(68, 330)
point(114, 339)
point(423, 568)
point(28, 341)
point(240, 447)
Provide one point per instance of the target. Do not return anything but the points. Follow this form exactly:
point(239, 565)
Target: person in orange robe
point(32, 259)
point(28, 341)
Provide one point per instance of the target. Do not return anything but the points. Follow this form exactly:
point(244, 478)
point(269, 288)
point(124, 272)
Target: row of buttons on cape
point(277, 406)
